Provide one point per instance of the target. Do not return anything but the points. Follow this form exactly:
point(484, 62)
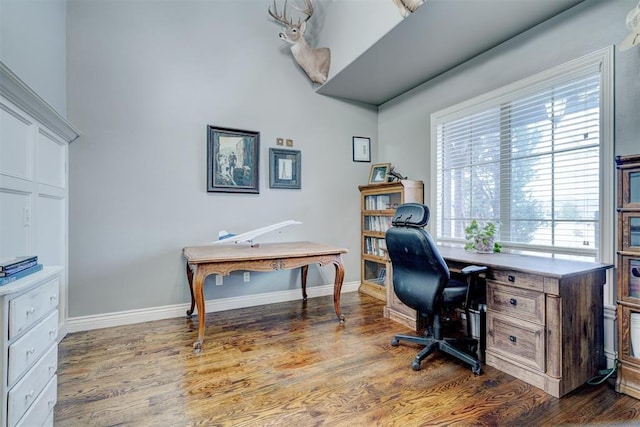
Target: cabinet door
point(629, 334)
point(630, 188)
point(15, 222)
point(630, 231)
point(629, 280)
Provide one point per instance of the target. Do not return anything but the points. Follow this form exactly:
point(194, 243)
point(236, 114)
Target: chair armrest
point(473, 270)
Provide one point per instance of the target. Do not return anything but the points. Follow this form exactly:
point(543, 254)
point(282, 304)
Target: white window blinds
point(527, 156)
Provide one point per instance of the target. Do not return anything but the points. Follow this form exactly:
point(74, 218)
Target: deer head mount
point(314, 61)
point(407, 7)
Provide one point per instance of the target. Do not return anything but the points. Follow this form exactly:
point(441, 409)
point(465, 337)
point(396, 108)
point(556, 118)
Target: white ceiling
point(438, 36)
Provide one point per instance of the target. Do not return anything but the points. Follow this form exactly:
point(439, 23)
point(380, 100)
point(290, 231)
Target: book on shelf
point(20, 274)
point(15, 262)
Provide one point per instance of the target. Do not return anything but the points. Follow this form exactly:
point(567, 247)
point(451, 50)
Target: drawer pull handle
point(31, 350)
point(52, 367)
point(512, 338)
point(511, 278)
point(29, 395)
point(31, 310)
point(53, 331)
point(53, 297)
point(513, 301)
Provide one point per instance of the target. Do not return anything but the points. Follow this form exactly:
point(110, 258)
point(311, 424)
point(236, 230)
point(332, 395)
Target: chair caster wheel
point(395, 342)
point(477, 370)
point(415, 365)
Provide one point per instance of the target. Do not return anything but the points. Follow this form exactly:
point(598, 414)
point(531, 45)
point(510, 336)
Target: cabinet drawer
point(516, 302)
point(27, 390)
point(517, 278)
point(25, 310)
point(40, 413)
point(520, 341)
point(28, 348)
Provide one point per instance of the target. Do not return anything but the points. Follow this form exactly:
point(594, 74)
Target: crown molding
point(18, 92)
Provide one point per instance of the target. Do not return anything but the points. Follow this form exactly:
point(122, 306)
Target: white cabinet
point(34, 144)
point(29, 313)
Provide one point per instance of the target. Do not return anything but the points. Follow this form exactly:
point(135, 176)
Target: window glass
point(528, 158)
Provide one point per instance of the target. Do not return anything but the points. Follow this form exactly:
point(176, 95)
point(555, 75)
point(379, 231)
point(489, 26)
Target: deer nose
point(282, 36)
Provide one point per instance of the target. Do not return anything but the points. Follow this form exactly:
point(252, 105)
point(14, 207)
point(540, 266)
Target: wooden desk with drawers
point(544, 317)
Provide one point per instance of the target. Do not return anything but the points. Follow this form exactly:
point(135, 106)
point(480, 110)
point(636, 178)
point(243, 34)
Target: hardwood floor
point(293, 364)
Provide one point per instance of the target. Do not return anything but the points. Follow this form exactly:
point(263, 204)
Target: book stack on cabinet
point(628, 275)
point(378, 204)
point(15, 268)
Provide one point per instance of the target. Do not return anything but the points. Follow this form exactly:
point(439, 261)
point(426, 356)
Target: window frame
point(606, 230)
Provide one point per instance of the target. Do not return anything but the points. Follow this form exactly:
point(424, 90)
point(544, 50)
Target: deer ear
point(303, 26)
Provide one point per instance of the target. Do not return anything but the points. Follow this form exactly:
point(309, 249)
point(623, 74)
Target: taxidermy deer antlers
point(408, 6)
point(314, 61)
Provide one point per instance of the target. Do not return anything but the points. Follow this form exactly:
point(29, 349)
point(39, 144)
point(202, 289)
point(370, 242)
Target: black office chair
point(422, 281)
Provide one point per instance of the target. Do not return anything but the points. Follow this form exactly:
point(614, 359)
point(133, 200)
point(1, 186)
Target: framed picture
point(379, 173)
point(232, 160)
point(284, 168)
point(361, 149)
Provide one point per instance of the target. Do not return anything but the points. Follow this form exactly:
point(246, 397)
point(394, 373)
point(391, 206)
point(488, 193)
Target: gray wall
point(145, 79)
point(32, 45)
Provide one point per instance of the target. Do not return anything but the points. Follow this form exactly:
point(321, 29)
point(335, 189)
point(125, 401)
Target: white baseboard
point(610, 330)
point(87, 323)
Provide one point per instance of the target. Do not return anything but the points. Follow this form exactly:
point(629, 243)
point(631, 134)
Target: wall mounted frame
point(232, 160)
point(285, 168)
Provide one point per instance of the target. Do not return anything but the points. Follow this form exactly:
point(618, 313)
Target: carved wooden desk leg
point(190, 280)
point(303, 279)
point(337, 286)
point(198, 292)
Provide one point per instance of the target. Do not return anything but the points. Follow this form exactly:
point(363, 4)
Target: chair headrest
point(411, 215)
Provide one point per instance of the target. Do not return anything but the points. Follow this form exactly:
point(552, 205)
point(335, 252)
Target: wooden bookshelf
point(378, 203)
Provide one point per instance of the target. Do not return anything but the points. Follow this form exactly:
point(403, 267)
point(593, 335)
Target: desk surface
point(263, 251)
point(552, 267)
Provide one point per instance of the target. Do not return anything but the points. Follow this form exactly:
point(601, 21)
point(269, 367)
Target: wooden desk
point(223, 259)
point(544, 321)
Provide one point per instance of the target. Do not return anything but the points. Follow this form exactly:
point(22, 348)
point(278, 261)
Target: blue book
point(6, 264)
point(15, 269)
point(20, 274)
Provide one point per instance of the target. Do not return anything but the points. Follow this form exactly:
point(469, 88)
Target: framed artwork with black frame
point(232, 160)
point(361, 149)
point(379, 173)
point(284, 168)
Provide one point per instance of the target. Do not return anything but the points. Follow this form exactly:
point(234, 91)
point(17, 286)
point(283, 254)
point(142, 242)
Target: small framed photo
point(284, 168)
point(232, 160)
point(361, 149)
point(379, 173)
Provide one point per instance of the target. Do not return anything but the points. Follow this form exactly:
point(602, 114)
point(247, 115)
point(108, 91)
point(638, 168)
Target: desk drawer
point(520, 341)
point(517, 279)
point(25, 310)
point(516, 302)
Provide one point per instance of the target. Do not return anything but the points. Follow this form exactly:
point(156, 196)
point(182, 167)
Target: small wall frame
point(285, 168)
point(379, 173)
point(361, 149)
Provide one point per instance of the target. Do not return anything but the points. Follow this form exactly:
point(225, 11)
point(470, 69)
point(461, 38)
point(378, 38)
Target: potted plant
point(482, 239)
